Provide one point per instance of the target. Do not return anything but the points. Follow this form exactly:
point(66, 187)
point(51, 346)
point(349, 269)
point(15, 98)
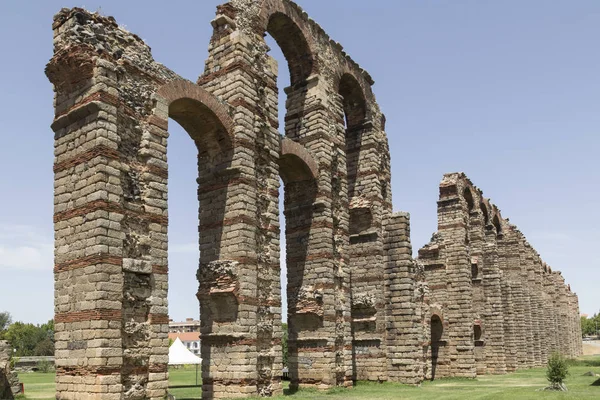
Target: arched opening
point(207, 123)
point(497, 224)
point(304, 307)
point(469, 199)
point(484, 210)
point(476, 333)
point(294, 46)
point(437, 330)
point(301, 308)
point(474, 271)
point(355, 111)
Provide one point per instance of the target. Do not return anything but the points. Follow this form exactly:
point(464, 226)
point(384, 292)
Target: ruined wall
point(9, 380)
point(359, 307)
point(112, 107)
point(480, 272)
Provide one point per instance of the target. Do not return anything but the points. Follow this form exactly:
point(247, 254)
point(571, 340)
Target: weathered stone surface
point(497, 298)
point(359, 306)
point(9, 381)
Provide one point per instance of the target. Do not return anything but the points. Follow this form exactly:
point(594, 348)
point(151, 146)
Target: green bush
point(44, 366)
point(557, 369)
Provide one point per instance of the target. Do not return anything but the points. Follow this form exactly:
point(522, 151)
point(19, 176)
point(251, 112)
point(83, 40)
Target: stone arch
point(354, 106)
point(484, 211)
point(294, 45)
point(295, 162)
point(353, 102)
point(206, 120)
point(468, 196)
point(496, 220)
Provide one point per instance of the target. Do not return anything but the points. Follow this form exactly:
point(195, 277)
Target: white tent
point(180, 355)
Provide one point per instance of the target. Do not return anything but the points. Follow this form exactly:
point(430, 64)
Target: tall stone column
point(494, 312)
point(110, 250)
point(404, 355)
point(452, 221)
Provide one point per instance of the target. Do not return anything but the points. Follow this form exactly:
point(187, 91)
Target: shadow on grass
point(597, 383)
point(584, 363)
point(184, 386)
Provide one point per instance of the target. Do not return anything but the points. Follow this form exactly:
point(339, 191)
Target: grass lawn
point(518, 385)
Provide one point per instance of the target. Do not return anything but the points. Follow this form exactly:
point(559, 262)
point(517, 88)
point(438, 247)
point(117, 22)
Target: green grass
point(519, 385)
point(38, 385)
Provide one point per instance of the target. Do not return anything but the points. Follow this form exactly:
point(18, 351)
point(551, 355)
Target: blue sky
point(508, 92)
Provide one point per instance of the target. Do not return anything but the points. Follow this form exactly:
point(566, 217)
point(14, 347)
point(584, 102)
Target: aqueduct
point(359, 306)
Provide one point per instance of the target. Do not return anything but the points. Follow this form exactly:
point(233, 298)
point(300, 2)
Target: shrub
point(44, 366)
point(557, 369)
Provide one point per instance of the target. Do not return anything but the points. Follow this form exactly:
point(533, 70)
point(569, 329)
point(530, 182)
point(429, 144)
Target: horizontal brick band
point(227, 341)
point(231, 182)
point(159, 318)
point(308, 227)
point(324, 256)
point(88, 261)
point(86, 156)
point(159, 122)
point(112, 370)
point(109, 206)
point(99, 314)
point(159, 269)
point(253, 301)
point(104, 151)
point(228, 382)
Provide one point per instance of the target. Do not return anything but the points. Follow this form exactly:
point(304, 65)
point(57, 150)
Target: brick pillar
point(451, 221)
point(494, 314)
point(528, 320)
point(478, 278)
point(541, 309)
point(245, 349)
point(320, 324)
point(110, 261)
point(404, 356)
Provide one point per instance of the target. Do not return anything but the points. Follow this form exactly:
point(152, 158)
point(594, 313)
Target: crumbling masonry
point(359, 306)
point(489, 304)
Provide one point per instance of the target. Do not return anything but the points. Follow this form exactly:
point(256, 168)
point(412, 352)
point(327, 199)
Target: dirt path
point(591, 348)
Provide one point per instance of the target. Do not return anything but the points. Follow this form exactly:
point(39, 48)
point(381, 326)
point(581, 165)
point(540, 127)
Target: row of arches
point(299, 169)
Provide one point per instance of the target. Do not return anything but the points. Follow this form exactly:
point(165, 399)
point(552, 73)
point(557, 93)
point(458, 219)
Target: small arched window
point(469, 198)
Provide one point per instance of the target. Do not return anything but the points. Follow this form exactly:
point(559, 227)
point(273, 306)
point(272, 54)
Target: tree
point(284, 344)
point(557, 371)
point(31, 340)
point(5, 321)
point(590, 326)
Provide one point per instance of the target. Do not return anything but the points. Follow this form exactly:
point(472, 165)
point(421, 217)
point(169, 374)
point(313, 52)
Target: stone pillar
point(243, 349)
point(452, 222)
point(495, 353)
point(476, 222)
point(9, 381)
point(89, 270)
point(526, 273)
point(403, 338)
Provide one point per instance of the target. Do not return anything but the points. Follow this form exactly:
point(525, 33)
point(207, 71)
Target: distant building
point(189, 325)
point(188, 332)
point(191, 340)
